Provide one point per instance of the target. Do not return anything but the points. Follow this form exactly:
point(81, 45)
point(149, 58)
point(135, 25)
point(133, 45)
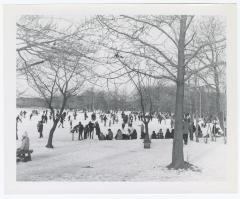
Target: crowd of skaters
point(206, 127)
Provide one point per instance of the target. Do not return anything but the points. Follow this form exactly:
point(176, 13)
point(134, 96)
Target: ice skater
point(40, 128)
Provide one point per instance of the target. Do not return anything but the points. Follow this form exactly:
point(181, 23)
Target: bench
point(24, 155)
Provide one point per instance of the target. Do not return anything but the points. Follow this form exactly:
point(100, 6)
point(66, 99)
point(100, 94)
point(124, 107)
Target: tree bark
point(177, 151)
point(146, 130)
point(50, 137)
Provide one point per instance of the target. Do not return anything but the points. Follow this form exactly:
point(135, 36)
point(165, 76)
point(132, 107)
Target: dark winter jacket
point(133, 134)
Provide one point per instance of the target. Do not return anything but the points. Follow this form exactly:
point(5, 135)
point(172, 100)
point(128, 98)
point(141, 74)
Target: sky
point(101, 84)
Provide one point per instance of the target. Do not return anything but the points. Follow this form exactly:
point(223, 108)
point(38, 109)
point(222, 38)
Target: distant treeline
point(24, 102)
point(163, 100)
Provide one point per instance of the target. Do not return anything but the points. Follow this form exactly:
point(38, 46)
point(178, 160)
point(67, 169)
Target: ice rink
point(115, 160)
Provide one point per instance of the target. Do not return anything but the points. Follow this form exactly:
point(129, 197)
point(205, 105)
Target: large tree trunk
point(146, 130)
point(177, 151)
point(50, 137)
point(55, 122)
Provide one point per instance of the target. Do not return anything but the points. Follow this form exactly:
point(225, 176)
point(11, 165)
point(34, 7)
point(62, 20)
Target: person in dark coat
point(105, 120)
point(97, 128)
point(133, 135)
point(85, 115)
point(168, 134)
point(200, 135)
point(154, 135)
point(70, 124)
point(45, 118)
point(93, 116)
point(91, 129)
point(142, 132)
point(214, 130)
point(62, 118)
point(125, 119)
point(130, 124)
point(159, 119)
point(125, 136)
point(74, 115)
point(24, 113)
point(160, 134)
point(85, 132)
point(119, 135)
point(101, 136)
point(40, 128)
point(80, 131)
point(18, 119)
point(109, 136)
point(123, 125)
point(122, 114)
point(192, 129)
point(185, 131)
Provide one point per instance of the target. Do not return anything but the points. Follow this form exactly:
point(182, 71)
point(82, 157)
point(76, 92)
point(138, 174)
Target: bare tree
point(55, 62)
point(167, 45)
point(214, 57)
point(143, 85)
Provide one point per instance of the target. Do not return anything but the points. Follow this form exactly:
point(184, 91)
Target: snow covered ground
point(116, 160)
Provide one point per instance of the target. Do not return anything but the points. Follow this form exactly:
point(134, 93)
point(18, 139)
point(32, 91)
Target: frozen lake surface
point(115, 160)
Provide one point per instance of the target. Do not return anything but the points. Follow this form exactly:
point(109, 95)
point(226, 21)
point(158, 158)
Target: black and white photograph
point(122, 96)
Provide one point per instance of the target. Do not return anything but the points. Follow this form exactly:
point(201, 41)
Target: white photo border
point(9, 71)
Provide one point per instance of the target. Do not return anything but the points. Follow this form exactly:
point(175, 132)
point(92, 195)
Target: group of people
point(160, 135)
point(92, 128)
point(203, 129)
point(84, 132)
point(87, 131)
